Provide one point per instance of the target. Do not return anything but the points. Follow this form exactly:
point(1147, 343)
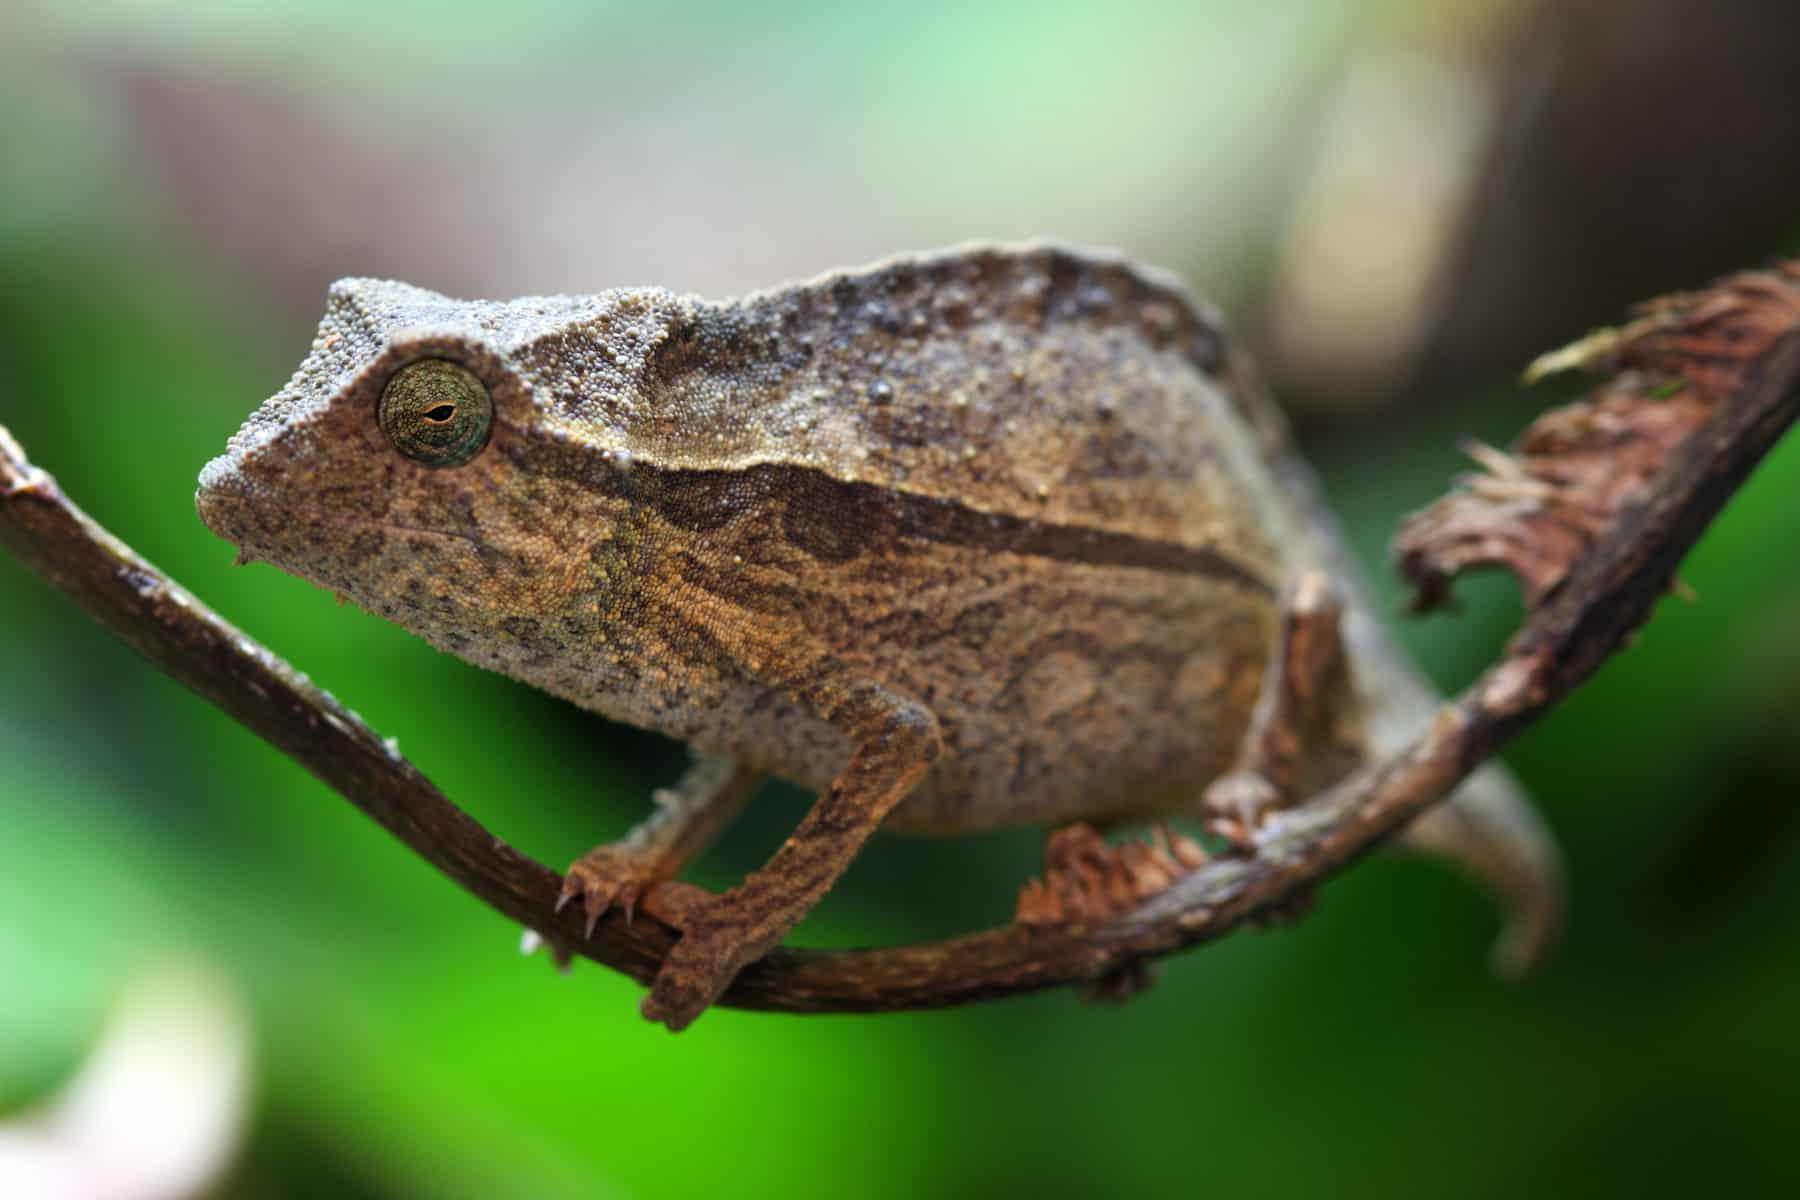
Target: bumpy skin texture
point(1009, 485)
point(986, 538)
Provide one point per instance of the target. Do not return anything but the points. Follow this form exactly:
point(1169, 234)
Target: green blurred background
point(1399, 202)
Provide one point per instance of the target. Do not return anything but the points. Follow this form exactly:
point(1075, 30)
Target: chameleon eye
point(436, 412)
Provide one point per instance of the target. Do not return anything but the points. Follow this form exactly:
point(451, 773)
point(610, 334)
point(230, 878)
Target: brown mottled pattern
point(1001, 482)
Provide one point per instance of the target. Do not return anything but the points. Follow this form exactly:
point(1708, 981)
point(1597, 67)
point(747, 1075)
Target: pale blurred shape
point(1389, 184)
point(156, 1112)
point(36, 1165)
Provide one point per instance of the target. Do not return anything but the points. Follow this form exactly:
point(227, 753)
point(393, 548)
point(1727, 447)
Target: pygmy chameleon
point(998, 536)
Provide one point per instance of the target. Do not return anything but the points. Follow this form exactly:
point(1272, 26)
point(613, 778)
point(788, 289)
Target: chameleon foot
point(605, 877)
point(687, 986)
point(1236, 804)
point(716, 942)
point(688, 817)
point(1086, 881)
point(1306, 660)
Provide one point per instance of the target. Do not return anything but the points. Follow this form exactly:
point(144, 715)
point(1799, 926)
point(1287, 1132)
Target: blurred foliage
point(151, 294)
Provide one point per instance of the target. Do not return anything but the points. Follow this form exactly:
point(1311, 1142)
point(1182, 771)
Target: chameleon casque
point(999, 536)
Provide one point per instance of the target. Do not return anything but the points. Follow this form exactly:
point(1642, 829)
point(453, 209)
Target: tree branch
point(1748, 388)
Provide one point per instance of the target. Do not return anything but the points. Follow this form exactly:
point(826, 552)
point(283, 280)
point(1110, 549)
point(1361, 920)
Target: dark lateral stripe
point(838, 520)
point(936, 520)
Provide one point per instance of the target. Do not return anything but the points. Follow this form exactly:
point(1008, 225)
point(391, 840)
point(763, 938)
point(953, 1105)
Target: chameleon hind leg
point(689, 817)
point(1306, 660)
point(1086, 880)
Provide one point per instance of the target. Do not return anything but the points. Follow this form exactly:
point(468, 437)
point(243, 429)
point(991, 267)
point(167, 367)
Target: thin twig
point(1582, 620)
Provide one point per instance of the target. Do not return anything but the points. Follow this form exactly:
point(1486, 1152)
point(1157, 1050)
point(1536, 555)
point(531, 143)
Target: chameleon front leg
point(1308, 650)
point(688, 818)
point(896, 740)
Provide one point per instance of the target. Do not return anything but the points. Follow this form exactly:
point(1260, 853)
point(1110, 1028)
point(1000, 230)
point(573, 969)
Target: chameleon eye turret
point(436, 412)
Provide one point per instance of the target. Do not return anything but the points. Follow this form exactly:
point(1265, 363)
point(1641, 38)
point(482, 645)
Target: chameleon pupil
point(436, 412)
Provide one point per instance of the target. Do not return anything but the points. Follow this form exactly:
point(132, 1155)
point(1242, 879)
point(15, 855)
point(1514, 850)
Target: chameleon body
point(998, 536)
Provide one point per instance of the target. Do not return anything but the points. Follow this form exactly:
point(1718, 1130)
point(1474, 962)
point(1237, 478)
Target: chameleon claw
point(607, 877)
point(599, 899)
point(1235, 806)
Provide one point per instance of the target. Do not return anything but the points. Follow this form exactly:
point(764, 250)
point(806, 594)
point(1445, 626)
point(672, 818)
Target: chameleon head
point(408, 466)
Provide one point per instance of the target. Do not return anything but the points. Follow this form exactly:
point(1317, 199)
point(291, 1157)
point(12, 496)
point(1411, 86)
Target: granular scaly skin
point(1007, 484)
point(986, 538)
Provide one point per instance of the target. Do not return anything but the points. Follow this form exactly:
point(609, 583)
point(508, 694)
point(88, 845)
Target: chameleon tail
point(1491, 832)
point(1487, 828)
